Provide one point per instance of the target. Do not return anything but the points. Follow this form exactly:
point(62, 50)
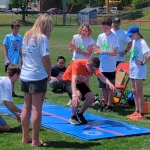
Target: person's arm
point(86, 52)
point(146, 59)
point(72, 45)
point(13, 108)
point(99, 51)
point(47, 65)
point(6, 55)
point(75, 96)
point(129, 45)
point(105, 80)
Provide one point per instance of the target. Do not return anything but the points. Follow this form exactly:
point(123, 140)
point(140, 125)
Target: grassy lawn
point(59, 42)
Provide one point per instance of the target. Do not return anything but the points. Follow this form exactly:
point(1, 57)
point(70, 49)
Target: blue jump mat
point(56, 118)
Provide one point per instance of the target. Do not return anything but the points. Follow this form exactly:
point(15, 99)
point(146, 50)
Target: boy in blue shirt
point(12, 48)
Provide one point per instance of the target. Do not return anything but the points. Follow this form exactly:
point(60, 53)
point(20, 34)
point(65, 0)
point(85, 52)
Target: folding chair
point(122, 79)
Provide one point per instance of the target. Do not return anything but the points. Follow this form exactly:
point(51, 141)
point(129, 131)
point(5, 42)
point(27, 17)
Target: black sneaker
point(74, 120)
point(81, 118)
point(103, 107)
point(108, 109)
point(14, 94)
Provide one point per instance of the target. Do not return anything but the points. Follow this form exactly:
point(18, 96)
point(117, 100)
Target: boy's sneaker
point(81, 118)
point(103, 107)
point(74, 120)
point(108, 109)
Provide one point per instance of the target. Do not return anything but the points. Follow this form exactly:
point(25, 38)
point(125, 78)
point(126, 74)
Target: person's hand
point(75, 101)
point(112, 87)
point(78, 50)
point(72, 45)
point(7, 62)
point(122, 54)
point(97, 50)
point(138, 62)
point(54, 79)
point(18, 117)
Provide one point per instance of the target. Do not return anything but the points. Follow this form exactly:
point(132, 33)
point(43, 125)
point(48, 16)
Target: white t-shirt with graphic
point(123, 40)
point(33, 68)
point(83, 45)
point(5, 89)
point(139, 51)
point(107, 43)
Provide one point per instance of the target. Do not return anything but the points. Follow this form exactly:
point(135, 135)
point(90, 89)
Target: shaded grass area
point(59, 42)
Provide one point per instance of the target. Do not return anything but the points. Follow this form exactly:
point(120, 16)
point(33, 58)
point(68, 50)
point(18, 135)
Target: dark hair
point(94, 62)
point(13, 69)
point(15, 24)
point(106, 21)
point(61, 57)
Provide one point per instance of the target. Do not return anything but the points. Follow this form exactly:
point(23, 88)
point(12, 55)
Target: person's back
point(5, 89)
point(6, 86)
point(33, 67)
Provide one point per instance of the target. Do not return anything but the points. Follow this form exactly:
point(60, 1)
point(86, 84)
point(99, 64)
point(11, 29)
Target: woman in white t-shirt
point(82, 43)
point(140, 54)
point(36, 70)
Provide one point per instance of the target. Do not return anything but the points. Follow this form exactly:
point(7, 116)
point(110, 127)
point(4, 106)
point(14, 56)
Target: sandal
point(42, 144)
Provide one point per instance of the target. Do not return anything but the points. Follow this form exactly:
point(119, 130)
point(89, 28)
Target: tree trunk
point(23, 17)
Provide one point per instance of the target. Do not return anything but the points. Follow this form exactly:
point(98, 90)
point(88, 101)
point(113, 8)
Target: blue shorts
point(2, 121)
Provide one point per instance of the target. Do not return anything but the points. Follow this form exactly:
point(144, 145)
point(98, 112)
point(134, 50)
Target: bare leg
point(89, 100)
point(105, 94)
point(110, 96)
point(25, 117)
point(135, 95)
point(37, 102)
point(140, 95)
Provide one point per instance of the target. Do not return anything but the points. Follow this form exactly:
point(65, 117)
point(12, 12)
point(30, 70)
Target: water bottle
point(103, 56)
point(145, 107)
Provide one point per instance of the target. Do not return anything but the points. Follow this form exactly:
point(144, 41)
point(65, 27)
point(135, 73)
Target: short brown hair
point(94, 62)
point(15, 24)
point(106, 21)
point(87, 26)
point(13, 69)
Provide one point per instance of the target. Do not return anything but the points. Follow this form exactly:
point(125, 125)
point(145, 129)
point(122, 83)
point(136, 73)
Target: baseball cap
point(117, 20)
point(132, 30)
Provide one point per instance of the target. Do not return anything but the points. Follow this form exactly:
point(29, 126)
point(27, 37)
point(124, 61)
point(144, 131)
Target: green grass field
point(59, 42)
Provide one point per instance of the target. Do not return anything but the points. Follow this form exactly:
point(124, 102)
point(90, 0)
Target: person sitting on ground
point(6, 86)
point(77, 77)
point(57, 73)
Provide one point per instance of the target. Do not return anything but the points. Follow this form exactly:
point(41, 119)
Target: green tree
point(137, 4)
point(23, 4)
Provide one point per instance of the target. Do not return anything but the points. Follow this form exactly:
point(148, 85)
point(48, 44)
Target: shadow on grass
point(123, 110)
point(76, 145)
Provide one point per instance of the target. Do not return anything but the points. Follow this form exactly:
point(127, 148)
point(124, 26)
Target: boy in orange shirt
point(76, 78)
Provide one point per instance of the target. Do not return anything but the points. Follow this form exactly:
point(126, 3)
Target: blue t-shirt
point(13, 44)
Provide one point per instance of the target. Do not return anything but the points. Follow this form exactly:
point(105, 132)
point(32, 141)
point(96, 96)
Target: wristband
point(74, 95)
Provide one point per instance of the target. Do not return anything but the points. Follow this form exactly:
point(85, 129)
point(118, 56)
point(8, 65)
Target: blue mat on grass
point(56, 118)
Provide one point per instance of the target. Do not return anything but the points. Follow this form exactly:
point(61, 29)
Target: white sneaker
point(74, 120)
point(69, 103)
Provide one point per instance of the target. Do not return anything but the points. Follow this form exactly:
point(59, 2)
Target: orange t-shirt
point(78, 67)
